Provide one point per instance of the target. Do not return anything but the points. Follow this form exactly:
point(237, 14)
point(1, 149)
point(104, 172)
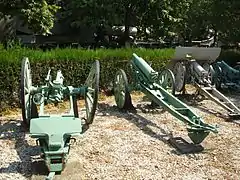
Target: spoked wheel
point(121, 92)
point(179, 71)
point(29, 109)
point(167, 81)
point(91, 97)
point(210, 72)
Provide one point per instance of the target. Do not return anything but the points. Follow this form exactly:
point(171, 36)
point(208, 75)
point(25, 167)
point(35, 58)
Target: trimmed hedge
point(74, 63)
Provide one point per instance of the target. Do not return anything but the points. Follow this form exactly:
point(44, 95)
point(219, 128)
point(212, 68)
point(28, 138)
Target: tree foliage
point(223, 16)
point(189, 19)
point(39, 15)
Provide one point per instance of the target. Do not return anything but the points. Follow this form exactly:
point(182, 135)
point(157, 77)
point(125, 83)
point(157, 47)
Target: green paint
point(156, 87)
point(54, 132)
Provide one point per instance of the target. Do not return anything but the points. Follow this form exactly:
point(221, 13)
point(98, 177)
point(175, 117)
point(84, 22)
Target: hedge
point(74, 63)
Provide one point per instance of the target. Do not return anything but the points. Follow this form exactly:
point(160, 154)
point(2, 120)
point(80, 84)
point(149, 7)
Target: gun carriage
point(55, 132)
point(225, 76)
point(192, 65)
point(159, 88)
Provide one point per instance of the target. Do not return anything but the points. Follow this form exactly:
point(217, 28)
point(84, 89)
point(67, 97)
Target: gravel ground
point(129, 145)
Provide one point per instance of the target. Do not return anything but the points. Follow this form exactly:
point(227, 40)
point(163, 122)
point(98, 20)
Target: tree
point(159, 16)
point(88, 12)
point(225, 19)
point(39, 15)
point(201, 15)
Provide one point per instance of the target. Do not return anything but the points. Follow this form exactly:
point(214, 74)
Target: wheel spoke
point(168, 81)
point(120, 89)
point(91, 97)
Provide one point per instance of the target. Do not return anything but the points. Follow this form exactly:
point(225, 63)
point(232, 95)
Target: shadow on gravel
point(143, 124)
point(195, 101)
point(14, 133)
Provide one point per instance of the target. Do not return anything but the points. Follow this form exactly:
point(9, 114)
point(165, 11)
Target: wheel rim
point(179, 72)
point(26, 83)
point(167, 81)
point(121, 92)
point(91, 96)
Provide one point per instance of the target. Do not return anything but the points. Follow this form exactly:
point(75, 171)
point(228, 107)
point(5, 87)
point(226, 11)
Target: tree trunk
point(127, 20)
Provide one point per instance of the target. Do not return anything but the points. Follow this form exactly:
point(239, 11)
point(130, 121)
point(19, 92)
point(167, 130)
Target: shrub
point(74, 63)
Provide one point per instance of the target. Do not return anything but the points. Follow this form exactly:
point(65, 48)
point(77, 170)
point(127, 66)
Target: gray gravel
point(129, 146)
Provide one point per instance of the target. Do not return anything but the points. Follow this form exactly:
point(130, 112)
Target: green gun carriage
point(159, 88)
point(54, 132)
point(225, 76)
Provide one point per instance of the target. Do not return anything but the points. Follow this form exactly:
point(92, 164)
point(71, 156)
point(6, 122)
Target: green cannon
point(159, 88)
point(55, 132)
point(226, 76)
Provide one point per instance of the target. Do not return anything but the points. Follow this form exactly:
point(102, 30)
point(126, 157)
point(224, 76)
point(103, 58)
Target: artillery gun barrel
point(143, 66)
point(198, 68)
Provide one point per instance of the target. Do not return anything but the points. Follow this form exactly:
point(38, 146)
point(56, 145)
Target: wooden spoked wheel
point(167, 81)
point(29, 109)
point(121, 92)
point(179, 71)
point(91, 97)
